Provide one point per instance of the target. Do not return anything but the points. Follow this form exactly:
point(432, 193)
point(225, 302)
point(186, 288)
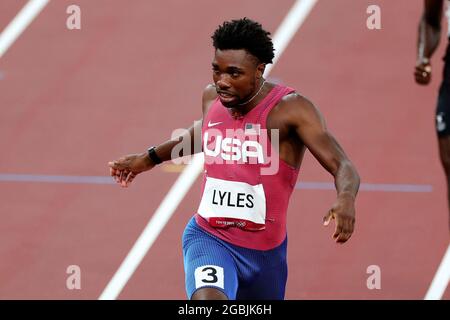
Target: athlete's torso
point(246, 186)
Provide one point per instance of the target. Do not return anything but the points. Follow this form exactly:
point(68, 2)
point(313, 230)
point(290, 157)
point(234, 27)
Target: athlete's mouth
point(226, 96)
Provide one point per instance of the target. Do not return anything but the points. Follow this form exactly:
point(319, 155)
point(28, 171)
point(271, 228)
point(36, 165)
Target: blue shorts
point(238, 272)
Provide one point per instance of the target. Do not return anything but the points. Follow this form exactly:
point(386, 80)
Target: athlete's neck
point(243, 108)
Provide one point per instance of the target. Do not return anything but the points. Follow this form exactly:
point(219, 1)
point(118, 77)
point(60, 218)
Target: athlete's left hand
point(343, 211)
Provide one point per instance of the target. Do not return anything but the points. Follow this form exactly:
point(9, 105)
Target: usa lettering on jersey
point(232, 149)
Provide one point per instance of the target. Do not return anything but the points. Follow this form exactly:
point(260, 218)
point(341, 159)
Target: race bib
point(233, 204)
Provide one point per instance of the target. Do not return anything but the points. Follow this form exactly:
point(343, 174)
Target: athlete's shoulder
point(294, 109)
point(208, 97)
point(294, 99)
point(293, 103)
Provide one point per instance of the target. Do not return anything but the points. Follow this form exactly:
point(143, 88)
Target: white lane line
point(441, 279)
point(170, 203)
point(153, 228)
point(288, 28)
point(20, 23)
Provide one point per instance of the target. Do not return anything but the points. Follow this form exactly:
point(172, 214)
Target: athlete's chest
point(242, 140)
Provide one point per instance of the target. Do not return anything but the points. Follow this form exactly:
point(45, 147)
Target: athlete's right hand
point(125, 169)
point(422, 72)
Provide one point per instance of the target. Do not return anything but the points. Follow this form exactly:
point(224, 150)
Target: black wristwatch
point(152, 155)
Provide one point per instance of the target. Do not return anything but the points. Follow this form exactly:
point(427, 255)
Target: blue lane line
point(56, 179)
point(381, 187)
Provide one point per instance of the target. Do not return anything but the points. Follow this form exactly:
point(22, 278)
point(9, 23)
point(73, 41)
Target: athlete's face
point(235, 74)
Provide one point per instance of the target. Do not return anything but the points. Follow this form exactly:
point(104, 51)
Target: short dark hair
point(244, 34)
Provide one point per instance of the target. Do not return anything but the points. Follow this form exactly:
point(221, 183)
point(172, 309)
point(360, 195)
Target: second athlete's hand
point(422, 72)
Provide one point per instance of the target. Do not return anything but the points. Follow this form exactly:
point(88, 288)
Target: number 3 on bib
point(209, 275)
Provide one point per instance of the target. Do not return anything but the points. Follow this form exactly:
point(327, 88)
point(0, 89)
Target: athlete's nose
point(222, 84)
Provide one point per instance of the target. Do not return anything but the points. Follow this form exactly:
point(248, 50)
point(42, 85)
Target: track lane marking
point(441, 279)
point(20, 22)
point(304, 185)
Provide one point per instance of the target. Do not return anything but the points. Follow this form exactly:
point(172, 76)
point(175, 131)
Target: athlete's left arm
point(310, 127)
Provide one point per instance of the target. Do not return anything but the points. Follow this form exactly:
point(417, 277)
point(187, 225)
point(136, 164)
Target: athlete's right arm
point(126, 168)
point(429, 34)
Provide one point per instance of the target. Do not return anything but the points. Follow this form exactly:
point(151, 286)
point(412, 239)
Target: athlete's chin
point(229, 102)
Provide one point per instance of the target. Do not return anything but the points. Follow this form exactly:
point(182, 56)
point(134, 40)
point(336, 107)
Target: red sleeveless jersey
point(246, 186)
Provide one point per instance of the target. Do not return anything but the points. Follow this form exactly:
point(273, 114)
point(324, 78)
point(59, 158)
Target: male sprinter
point(429, 35)
point(234, 247)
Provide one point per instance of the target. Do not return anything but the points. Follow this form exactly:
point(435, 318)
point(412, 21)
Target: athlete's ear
point(260, 70)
